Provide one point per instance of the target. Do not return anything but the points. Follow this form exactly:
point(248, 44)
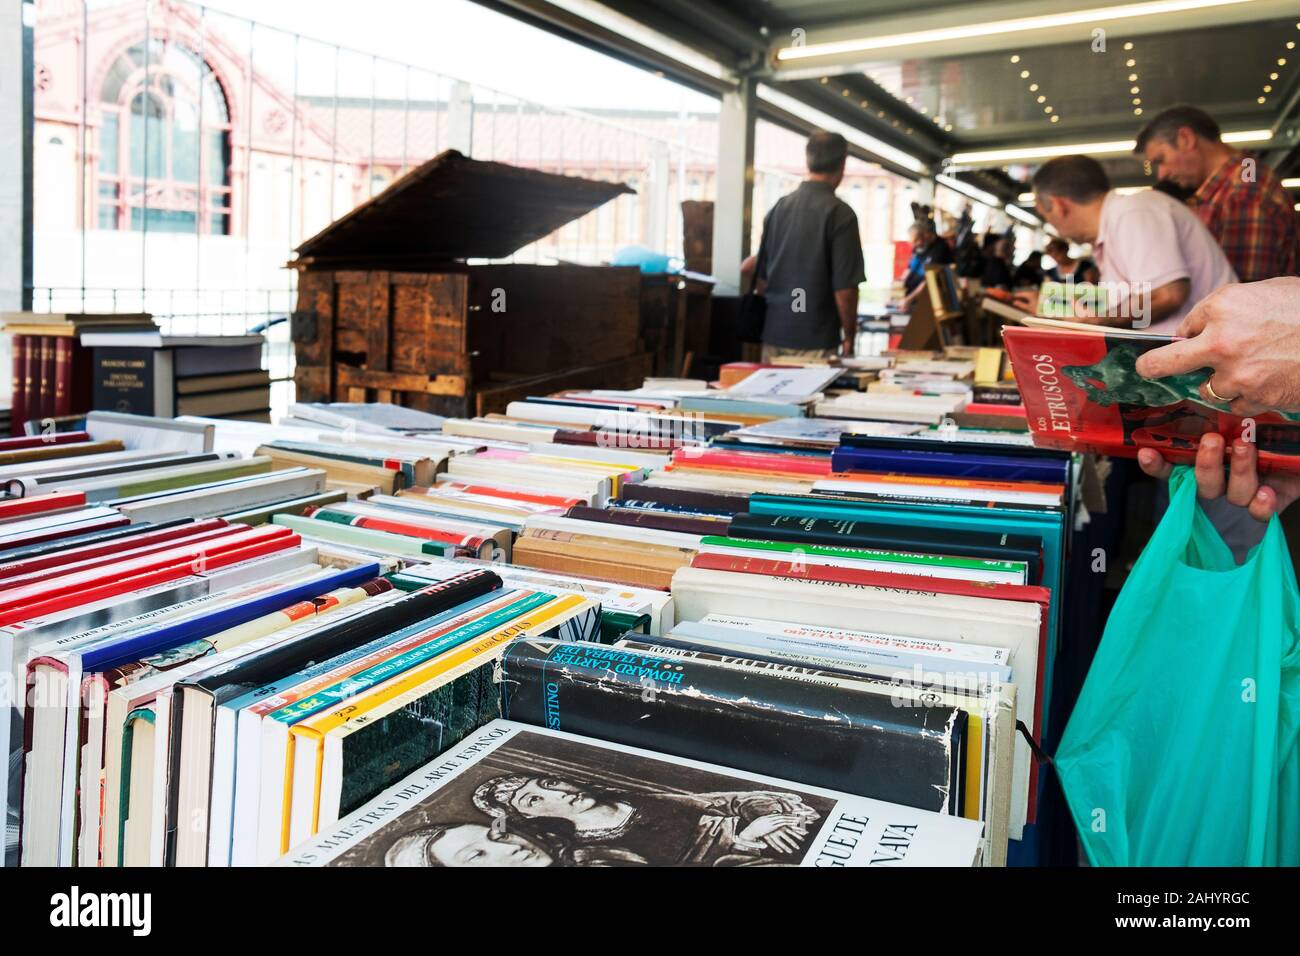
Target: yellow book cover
point(314, 728)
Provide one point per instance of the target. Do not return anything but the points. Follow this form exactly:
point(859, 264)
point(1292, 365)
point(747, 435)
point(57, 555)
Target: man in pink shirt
point(1156, 258)
point(1157, 262)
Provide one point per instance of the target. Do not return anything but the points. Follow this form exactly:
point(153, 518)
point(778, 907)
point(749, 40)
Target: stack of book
point(248, 637)
point(52, 370)
point(148, 373)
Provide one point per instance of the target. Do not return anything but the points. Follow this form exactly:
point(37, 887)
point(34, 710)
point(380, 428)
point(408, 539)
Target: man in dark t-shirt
point(810, 262)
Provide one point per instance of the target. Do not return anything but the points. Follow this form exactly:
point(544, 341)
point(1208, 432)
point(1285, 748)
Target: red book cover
point(18, 396)
point(909, 582)
point(987, 408)
point(32, 406)
point(162, 575)
point(197, 557)
point(489, 491)
point(1083, 393)
point(63, 347)
point(767, 463)
point(20, 442)
point(10, 569)
point(397, 526)
point(74, 564)
point(40, 504)
point(48, 372)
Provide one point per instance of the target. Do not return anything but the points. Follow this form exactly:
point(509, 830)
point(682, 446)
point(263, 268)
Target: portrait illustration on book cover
point(543, 801)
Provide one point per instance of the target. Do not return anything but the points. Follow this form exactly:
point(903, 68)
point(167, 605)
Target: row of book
point(65, 365)
point(601, 628)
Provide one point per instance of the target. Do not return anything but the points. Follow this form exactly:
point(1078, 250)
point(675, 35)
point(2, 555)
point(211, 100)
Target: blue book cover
point(354, 684)
point(321, 667)
point(130, 649)
point(946, 464)
point(740, 406)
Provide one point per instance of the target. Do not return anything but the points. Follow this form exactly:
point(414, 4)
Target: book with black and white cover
point(829, 729)
point(698, 592)
point(515, 795)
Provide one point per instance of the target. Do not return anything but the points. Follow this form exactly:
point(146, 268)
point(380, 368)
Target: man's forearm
point(846, 300)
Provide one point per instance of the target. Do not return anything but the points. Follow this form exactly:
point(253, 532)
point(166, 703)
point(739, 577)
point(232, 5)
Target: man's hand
point(1243, 485)
point(1250, 335)
point(1027, 300)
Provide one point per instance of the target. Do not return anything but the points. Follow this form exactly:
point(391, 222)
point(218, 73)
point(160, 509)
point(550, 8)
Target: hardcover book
point(513, 795)
point(830, 733)
point(1083, 393)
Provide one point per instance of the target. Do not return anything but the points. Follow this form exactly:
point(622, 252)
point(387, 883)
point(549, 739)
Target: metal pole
point(374, 66)
point(85, 166)
point(144, 192)
point(201, 187)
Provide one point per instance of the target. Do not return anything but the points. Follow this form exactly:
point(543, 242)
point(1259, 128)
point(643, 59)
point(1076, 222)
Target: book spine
point(56, 565)
point(361, 681)
point(942, 464)
point(662, 521)
point(343, 636)
point(33, 404)
point(82, 377)
point(394, 526)
point(124, 585)
point(40, 504)
point(860, 534)
point(18, 409)
point(713, 502)
point(742, 461)
point(880, 579)
point(24, 442)
point(63, 348)
point(48, 375)
point(825, 735)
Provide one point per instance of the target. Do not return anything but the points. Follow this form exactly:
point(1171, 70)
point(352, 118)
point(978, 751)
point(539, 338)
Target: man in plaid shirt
point(1239, 199)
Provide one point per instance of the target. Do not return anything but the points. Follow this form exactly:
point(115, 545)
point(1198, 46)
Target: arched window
point(164, 144)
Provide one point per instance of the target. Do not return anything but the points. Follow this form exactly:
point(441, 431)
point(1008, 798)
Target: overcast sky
point(461, 39)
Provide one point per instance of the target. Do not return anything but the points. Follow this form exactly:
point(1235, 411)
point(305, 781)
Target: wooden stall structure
point(390, 307)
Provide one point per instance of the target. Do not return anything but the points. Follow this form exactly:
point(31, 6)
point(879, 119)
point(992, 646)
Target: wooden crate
point(436, 340)
point(388, 310)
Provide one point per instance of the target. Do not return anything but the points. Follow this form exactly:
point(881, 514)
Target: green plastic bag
point(1182, 749)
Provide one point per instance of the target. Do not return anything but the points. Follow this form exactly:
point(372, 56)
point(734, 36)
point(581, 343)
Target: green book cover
point(896, 557)
point(366, 538)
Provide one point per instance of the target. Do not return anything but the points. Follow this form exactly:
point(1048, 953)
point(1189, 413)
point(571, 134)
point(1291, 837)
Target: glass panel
point(118, 74)
point(218, 158)
point(108, 143)
point(150, 141)
point(219, 224)
point(163, 220)
point(185, 142)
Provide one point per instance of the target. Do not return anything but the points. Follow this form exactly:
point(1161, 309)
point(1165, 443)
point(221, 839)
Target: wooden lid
point(451, 208)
